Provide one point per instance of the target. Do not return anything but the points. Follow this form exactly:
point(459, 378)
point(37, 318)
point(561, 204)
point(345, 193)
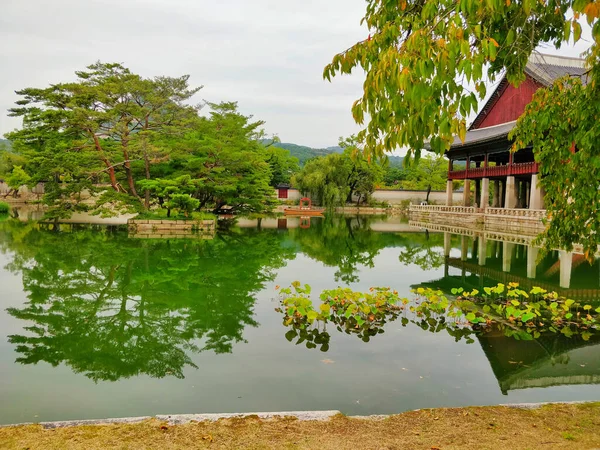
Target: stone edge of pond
point(179, 419)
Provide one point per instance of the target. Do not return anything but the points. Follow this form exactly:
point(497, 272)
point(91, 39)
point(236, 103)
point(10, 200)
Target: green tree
point(428, 173)
point(334, 179)
point(394, 175)
point(103, 123)
point(17, 178)
point(426, 63)
point(282, 165)
point(227, 161)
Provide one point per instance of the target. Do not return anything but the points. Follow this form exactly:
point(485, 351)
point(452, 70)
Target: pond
point(98, 324)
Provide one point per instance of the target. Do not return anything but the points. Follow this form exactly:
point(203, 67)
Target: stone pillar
point(496, 197)
point(510, 197)
point(485, 193)
point(464, 248)
point(467, 193)
point(482, 250)
point(532, 255)
point(447, 244)
point(522, 192)
point(536, 199)
point(566, 263)
point(507, 253)
point(449, 191)
point(494, 249)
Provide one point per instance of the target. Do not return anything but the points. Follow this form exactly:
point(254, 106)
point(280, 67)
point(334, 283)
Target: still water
point(95, 323)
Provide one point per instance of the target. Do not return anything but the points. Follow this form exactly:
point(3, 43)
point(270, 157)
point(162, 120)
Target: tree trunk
point(147, 191)
point(109, 166)
point(428, 192)
point(127, 165)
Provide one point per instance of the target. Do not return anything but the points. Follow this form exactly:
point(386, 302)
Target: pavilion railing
point(517, 212)
point(494, 171)
point(443, 208)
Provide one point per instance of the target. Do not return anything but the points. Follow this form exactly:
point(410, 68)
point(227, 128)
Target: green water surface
point(96, 324)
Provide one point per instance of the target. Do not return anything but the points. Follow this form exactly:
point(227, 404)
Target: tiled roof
point(487, 134)
point(548, 68)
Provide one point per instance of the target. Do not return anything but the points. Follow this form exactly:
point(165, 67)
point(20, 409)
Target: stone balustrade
point(443, 208)
point(527, 222)
point(513, 212)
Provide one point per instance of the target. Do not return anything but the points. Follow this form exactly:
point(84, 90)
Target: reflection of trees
point(343, 242)
point(113, 307)
point(424, 251)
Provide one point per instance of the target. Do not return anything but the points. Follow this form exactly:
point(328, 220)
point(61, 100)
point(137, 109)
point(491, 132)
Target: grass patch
point(4, 208)
point(161, 214)
point(494, 427)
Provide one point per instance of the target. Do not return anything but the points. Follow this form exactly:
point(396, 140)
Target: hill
point(304, 153)
point(5, 143)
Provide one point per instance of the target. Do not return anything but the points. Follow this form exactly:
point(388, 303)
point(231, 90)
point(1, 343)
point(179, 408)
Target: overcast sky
point(266, 54)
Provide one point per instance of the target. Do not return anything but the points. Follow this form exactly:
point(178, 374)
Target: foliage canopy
point(118, 137)
point(426, 67)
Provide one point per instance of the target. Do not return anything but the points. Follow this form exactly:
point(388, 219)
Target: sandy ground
point(575, 426)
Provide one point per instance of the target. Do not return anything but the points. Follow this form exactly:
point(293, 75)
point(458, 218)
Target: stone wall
point(156, 229)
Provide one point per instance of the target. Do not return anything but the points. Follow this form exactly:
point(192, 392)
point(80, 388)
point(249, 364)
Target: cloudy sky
point(266, 54)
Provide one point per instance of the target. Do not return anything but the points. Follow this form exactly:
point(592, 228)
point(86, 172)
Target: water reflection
point(345, 243)
point(112, 307)
point(476, 261)
point(548, 361)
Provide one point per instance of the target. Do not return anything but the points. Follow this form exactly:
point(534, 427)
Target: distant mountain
point(5, 143)
point(304, 153)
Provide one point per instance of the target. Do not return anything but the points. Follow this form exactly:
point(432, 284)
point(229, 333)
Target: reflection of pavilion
point(548, 361)
point(487, 258)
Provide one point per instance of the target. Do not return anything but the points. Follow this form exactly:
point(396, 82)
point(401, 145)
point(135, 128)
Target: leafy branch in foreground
point(567, 151)
point(426, 63)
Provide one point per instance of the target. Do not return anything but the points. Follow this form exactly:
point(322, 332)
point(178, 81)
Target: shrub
point(4, 208)
point(185, 203)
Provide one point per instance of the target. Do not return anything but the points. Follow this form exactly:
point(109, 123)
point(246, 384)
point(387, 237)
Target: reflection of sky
point(404, 368)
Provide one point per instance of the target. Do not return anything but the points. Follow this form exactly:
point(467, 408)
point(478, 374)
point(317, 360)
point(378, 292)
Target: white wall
point(397, 197)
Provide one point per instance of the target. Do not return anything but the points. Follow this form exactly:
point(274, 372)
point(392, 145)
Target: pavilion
point(485, 154)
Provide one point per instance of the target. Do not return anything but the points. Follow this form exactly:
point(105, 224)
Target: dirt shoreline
point(552, 426)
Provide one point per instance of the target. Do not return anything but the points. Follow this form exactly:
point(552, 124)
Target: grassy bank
point(550, 426)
